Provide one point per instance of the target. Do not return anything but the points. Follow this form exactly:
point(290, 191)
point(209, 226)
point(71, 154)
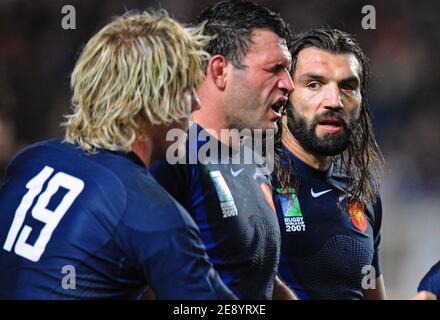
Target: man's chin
point(326, 145)
point(270, 125)
point(273, 126)
point(262, 127)
point(331, 148)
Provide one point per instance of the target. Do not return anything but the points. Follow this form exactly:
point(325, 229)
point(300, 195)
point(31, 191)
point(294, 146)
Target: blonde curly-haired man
point(81, 218)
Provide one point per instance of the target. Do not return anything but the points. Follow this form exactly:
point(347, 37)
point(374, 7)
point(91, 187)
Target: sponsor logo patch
point(229, 209)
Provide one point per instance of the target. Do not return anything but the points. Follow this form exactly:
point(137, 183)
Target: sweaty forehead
point(327, 64)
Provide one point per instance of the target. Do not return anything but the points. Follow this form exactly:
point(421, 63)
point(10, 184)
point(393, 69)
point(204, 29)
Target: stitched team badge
point(357, 215)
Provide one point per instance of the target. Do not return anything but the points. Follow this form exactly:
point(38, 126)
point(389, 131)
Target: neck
point(211, 117)
point(143, 148)
point(317, 162)
point(210, 121)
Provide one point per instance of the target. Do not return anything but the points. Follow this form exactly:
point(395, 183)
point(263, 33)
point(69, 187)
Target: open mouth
point(331, 125)
point(279, 107)
point(330, 122)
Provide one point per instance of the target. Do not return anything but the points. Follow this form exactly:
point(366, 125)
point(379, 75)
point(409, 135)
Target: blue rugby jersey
point(96, 226)
point(328, 245)
point(233, 208)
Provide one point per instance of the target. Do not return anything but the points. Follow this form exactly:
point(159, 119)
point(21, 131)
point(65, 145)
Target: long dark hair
point(362, 162)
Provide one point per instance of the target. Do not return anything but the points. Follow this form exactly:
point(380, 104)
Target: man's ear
point(217, 70)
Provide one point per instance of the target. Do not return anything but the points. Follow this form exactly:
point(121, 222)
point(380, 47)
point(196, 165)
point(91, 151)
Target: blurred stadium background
point(37, 56)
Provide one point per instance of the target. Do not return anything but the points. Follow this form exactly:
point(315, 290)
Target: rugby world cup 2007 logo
point(227, 204)
point(293, 218)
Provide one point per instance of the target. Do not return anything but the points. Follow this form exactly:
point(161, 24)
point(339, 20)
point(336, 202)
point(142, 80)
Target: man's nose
point(285, 83)
point(333, 97)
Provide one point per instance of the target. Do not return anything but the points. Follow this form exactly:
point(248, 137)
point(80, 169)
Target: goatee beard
point(328, 145)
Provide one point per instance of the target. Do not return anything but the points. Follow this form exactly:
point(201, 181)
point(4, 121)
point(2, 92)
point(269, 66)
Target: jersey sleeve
point(170, 254)
point(377, 207)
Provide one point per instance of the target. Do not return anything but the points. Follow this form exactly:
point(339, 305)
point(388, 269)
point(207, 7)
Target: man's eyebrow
point(280, 62)
point(315, 76)
point(311, 76)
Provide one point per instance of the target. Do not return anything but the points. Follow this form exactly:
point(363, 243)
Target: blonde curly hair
point(140, 66)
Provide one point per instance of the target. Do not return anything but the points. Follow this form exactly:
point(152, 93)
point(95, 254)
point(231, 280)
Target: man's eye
point(278, 68)
point(349, 87)
point(314, 85)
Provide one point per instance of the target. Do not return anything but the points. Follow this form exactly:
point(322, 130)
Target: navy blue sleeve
point(431, 281)
point(169, 252)
point(377, 207)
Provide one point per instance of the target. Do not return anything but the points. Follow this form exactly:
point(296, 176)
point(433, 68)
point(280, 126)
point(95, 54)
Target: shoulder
point(100, 173)
point(43, 148)
point(376, 209)
point(262, 166)
point(339, 179)
point(151, 208)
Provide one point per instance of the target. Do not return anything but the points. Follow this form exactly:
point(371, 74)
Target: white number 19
point(40, 211)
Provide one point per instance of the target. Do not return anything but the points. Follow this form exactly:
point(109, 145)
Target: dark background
point(37, 56)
